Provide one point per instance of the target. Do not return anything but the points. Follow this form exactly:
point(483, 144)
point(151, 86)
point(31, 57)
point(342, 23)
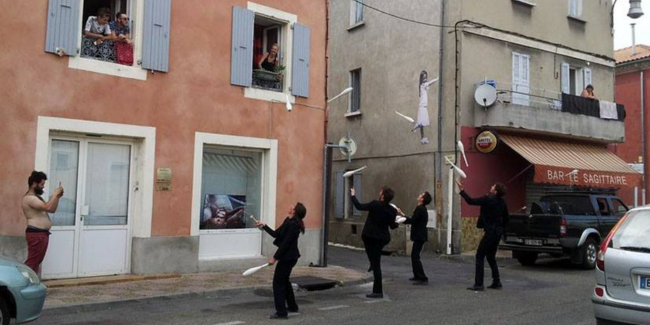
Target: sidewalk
point(75, 292)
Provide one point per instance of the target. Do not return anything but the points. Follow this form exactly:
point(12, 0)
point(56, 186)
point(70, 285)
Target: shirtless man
point(35, 210)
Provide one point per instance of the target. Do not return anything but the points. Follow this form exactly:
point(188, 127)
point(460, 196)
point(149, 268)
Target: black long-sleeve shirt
point(418, 224)
point(380, 217)
point(494, 211)
point(286, 238)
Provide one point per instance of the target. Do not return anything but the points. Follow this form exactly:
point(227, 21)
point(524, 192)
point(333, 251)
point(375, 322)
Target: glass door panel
point(107, 184)
point(64, 170)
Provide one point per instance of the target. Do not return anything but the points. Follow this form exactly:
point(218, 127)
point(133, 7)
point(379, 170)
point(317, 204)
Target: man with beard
point(36, 211)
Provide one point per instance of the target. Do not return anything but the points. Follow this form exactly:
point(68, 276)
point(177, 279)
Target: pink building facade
point(164, 159)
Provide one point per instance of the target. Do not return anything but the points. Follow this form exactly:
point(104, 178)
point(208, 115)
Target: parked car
point(21, 293)
point(563, 224)
point(622, 292)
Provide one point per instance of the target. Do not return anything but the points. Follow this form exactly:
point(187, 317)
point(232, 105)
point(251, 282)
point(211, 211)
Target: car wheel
point(588, 252)
point(5, 317)
point(525, 258)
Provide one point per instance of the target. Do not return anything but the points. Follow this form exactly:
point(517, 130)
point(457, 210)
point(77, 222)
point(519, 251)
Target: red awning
point(554, 161)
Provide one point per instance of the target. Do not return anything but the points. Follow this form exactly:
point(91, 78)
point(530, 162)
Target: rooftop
point(625, 54)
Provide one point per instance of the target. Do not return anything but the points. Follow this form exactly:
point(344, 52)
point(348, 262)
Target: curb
point(85, 307)
point(90, 282)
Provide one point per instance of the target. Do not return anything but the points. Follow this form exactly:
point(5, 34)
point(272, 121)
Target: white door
point(91, 228)
point(520, 79)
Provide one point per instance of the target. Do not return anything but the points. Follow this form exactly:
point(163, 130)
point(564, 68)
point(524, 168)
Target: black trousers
point(418, 270)
point(487, 249)
point(282, 290)
point(373, 250)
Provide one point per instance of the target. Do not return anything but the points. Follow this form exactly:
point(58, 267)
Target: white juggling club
point(252, 270)
point(461, 147)
point(289, 106)
point(458, 170)
point(352, 172)
point(345, 91)
point(405, 117)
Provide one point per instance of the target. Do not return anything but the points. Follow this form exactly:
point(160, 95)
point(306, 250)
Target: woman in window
point(270, 61)
point(286, 238)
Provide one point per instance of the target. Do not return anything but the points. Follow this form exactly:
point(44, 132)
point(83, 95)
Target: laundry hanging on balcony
point(592, 107)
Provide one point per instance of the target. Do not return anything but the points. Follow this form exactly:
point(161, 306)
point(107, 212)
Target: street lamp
point(635, 9)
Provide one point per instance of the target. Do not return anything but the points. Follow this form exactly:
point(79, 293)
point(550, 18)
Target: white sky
point(622, 29)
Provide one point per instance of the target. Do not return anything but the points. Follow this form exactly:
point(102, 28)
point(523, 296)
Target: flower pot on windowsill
point(267, 75)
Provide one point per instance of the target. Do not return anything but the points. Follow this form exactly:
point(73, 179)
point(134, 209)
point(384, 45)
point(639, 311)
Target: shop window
point(231, 188)
point(268, 55)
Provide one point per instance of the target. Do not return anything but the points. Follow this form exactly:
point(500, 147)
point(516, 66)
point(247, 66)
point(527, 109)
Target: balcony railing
point(268, 80)
point(549, 99)
point(104, 51)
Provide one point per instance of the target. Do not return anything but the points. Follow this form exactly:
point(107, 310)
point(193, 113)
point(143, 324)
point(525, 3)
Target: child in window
point(97, 26)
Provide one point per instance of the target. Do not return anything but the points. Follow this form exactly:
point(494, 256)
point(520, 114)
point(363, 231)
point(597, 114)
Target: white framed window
point(575, 79)
point(575, 8)
point(356, 12)
point(354, 101)
point(231, 172)
point(520, 79)
point(148, 22)
point(255, 31)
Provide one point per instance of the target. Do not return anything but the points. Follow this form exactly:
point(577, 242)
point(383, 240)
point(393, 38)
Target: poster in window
point(222, 211)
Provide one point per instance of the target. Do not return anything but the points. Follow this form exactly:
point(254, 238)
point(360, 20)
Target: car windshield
point(567, 204)
point(633, 232)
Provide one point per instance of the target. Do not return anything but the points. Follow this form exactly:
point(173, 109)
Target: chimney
point(633, 40)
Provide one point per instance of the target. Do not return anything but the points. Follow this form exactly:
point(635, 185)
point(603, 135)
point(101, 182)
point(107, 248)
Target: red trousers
point(36, 247)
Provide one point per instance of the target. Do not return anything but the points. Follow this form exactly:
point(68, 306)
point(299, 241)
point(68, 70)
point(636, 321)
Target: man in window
point(120, 28)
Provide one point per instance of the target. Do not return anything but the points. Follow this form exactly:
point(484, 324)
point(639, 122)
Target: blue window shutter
point(300, 61)
point(357, 188)
point(155, 41)
point(63, 26)
point(339, 199)
point(241, 61)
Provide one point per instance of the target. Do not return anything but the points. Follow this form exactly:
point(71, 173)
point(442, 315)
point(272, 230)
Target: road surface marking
point(232, 323)
point(334, 307)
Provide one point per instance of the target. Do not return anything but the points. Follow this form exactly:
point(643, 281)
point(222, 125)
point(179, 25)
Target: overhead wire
point(407, 19)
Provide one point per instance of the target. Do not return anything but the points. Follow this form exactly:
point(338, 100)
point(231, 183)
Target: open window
point(145, 22)
point(257, 32)
point(268, 56)
point(575, 79)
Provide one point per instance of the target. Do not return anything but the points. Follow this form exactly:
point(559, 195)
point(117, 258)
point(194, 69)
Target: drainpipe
point(438, 163)
point(646, 150)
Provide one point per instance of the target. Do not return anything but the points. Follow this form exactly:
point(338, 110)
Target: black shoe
point(276, 316)
point(370, 269)
point(496, 286)
point(375, 295)
point(291, 310)
point(414, 279)
point(420, 283)
point(476, 288)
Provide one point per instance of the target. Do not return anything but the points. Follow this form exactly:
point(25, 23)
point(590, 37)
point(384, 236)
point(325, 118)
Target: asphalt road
point(552, 292)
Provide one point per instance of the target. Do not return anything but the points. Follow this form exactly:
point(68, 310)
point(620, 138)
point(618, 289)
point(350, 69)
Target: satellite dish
point(345, 141)
point(485, 95)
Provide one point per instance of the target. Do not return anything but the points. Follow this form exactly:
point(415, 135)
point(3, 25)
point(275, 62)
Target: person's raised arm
point(49, 206)
point(358, 205)
point(430, 82)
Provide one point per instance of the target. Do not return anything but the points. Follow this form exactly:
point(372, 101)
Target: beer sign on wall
point(486, 142)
